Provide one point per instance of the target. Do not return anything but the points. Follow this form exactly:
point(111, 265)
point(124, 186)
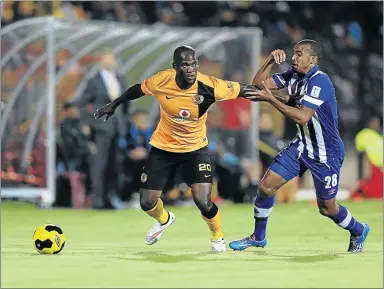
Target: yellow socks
point(214, 225)
point(161, 215)
point(158, 212)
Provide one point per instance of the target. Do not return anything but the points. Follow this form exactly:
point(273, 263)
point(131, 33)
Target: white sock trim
point(261, 212)
point(347, 220)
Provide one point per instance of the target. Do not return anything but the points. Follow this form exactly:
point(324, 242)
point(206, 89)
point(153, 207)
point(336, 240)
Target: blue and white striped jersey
point(319, 138)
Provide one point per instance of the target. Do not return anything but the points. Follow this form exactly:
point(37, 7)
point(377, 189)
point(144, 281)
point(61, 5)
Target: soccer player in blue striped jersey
point(317, 147)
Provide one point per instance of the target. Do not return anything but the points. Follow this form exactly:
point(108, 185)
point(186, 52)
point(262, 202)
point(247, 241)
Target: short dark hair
point(316, 49)
point(179, 50)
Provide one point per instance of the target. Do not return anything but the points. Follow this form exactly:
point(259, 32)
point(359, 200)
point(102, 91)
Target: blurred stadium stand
point(350, 32)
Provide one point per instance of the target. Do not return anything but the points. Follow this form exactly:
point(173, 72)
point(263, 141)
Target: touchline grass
point(107, 249)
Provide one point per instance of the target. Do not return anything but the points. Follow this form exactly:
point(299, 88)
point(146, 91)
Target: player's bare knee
point(328, 208)
point(147, 200)
point(267, 188)
point(201, 194)
point(332, 207)
point(324, 211)
point(147, 204)
point(202, 201)
point(270, 183)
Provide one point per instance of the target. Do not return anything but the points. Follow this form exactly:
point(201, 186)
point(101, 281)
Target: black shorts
point(162, 165)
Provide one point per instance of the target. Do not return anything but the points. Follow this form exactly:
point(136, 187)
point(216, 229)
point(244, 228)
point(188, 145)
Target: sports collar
point(312, 71)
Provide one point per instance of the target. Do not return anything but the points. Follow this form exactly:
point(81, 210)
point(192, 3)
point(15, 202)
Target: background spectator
point(103, 88)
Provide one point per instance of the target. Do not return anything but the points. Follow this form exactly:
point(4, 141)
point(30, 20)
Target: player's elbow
point(258, 80)
point(303, 119)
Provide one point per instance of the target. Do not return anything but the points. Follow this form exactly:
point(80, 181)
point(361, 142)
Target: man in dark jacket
point(105, 87)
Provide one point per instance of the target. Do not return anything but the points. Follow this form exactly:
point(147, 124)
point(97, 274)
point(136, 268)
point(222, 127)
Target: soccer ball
point(49, 239)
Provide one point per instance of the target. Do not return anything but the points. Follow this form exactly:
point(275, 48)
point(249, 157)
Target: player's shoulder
point(165, 74)
point(321, 80)
point(153, 84)
point(212, 81)
point(320, 77)
point(204, 78)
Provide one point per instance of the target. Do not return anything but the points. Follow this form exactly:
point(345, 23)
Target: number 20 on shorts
point(204, 167)
point(331, 181)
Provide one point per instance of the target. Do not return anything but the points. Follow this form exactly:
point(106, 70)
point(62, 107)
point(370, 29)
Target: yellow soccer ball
point(49, 239)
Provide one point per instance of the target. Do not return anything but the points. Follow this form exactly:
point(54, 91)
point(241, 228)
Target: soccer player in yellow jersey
point(180, 138)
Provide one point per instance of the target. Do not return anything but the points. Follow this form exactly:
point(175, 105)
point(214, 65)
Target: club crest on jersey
point(197, 99)
point(315, 91)
point(143, 177)
point(230, 86)
point(185, 113)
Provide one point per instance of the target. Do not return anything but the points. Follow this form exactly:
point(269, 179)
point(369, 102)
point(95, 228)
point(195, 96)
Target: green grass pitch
point(107, 250)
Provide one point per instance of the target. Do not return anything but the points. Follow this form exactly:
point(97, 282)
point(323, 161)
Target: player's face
point(187, 67)
point(302, 61)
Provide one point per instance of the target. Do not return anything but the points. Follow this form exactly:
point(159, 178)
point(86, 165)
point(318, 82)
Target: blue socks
point(263, 207)
point(345, 220)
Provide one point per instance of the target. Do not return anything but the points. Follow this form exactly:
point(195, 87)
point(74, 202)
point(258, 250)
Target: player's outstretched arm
point(299, 115)
point(263, 74)
point(131, 93)
point(245, 89)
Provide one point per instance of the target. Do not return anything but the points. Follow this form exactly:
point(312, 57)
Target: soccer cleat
point(356, 244)
point(158, 229)
point(218, 245)
point(247, 242)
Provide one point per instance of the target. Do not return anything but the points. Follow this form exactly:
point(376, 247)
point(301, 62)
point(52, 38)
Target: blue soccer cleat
point(247, 242)
point(356, 244)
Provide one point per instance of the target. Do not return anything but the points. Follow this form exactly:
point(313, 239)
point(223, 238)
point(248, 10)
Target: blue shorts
point(289, 163)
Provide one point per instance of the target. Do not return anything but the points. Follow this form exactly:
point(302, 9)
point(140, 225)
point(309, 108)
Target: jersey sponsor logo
point(180, 119)
point(184, 113)
point(197, 99)
point(315, 91)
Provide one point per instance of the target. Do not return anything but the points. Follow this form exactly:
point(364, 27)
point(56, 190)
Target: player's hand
point(262, 95)
point(294, 100)
point(278, 56)
point(247, 88)
point(107, 110)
